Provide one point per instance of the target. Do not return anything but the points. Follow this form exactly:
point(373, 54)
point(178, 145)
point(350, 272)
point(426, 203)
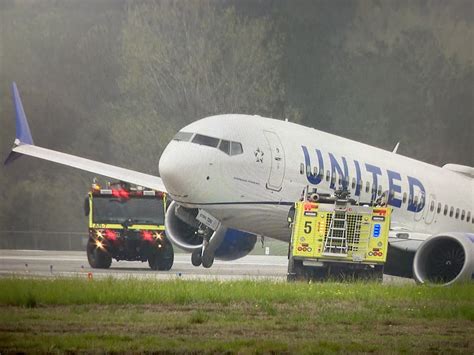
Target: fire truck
point(333, 237)
point(127, 223)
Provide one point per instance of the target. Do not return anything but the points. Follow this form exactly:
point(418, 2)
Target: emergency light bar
point(126, 193)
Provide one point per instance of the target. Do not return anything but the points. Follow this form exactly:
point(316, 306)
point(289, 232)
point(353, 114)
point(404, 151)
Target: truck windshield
point(116, 210)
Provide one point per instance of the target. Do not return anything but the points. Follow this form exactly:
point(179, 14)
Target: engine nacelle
point(182, 229)
point(236, 245)
point(445, 259)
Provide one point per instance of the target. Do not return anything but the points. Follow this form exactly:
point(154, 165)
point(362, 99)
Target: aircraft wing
point(406, 241)
point(24, 146)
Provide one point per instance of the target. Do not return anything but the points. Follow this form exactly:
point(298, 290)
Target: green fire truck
point(127, 223)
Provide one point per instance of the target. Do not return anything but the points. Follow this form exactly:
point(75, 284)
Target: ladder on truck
point(335, 243)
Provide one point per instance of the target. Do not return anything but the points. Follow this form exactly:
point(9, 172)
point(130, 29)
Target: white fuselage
point(253, 190)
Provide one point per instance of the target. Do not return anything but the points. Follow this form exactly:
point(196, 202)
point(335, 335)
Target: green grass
point(242, 316)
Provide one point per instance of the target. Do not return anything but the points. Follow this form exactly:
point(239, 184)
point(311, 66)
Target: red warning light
point(121, 193)
point(381, 211)
point(147, 235)
point(110, 234)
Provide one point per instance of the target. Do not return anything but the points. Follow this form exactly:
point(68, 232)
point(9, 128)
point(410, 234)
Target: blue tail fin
point(23, 133)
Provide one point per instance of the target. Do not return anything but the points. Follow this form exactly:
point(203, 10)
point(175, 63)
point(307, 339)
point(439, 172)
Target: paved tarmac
point(46, 263)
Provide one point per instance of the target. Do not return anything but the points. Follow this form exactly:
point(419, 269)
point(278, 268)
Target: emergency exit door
point(277, 168)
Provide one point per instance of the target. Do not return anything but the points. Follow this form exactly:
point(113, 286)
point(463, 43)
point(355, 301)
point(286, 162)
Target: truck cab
point(127, 223)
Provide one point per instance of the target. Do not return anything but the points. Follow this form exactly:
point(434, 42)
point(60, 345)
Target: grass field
point(245, 316)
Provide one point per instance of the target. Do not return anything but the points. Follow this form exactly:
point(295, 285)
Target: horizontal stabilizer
point(460, 169)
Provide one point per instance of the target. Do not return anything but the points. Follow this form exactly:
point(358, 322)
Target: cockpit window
point(225, 146)
point(183, 136)
point(235, 148)
point(206, 140)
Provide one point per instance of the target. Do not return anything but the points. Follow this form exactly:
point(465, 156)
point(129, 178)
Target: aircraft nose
point(179, 166)
point(171, 166)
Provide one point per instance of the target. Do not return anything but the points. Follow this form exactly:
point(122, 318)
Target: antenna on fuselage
point(394, 151)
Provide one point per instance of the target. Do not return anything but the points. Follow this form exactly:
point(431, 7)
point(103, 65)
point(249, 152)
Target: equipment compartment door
point(277, 168)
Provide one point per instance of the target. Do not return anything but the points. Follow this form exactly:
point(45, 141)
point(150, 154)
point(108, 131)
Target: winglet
point(23, 133)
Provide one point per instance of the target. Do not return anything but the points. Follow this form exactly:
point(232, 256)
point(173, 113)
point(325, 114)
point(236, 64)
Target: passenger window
point(415, 202)
point(333, 179)
point(468, 218)
point(328, 174)
point(315, 171)
point(225, 146)
point(432, 206)
point(301, 168)
point(439, 208)
point(463, 214)
point(183, 136)
point(206, 140)
point(451, 212)
point(345, 179)
point(457, 213)
point(367, 187)
point(379, 191)
point(353, 183)
point(404, 197)
point(445, 210)
point(236, 148)
point(339, 181)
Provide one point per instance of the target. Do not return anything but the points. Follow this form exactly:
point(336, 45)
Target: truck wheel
point(98, 259)
point(196, 258)
point(162, 259)
point(166, 257)
point(375, 274)
point(297, 272)
point(153, 261)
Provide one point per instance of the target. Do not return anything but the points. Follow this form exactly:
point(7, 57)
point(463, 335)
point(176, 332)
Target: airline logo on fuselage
point(341, 168)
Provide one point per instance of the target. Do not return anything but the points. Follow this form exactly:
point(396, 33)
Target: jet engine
point(445, 259)
point(182, 227)
point(186, 232)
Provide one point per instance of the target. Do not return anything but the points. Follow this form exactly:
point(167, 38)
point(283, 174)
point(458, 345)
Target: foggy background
point(113, 80)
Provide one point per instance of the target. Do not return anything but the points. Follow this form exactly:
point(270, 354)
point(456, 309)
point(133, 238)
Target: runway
point(45, 263)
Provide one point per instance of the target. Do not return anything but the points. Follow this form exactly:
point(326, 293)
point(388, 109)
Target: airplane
point(233, 178)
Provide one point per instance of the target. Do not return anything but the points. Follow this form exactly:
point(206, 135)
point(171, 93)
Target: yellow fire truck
point(127, 223)
point(335, 238)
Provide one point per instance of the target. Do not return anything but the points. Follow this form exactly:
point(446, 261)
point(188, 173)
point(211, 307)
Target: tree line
point(113, 80)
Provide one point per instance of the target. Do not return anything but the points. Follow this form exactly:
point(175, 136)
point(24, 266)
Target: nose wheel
point(207, 260)
point(205, 256)
point(196, 257)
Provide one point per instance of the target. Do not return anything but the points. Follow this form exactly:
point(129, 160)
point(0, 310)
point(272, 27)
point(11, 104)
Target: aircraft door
point(430, 209)
point(277, 167)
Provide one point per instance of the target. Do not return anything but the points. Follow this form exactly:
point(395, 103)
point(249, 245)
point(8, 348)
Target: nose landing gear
point(205, 256)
